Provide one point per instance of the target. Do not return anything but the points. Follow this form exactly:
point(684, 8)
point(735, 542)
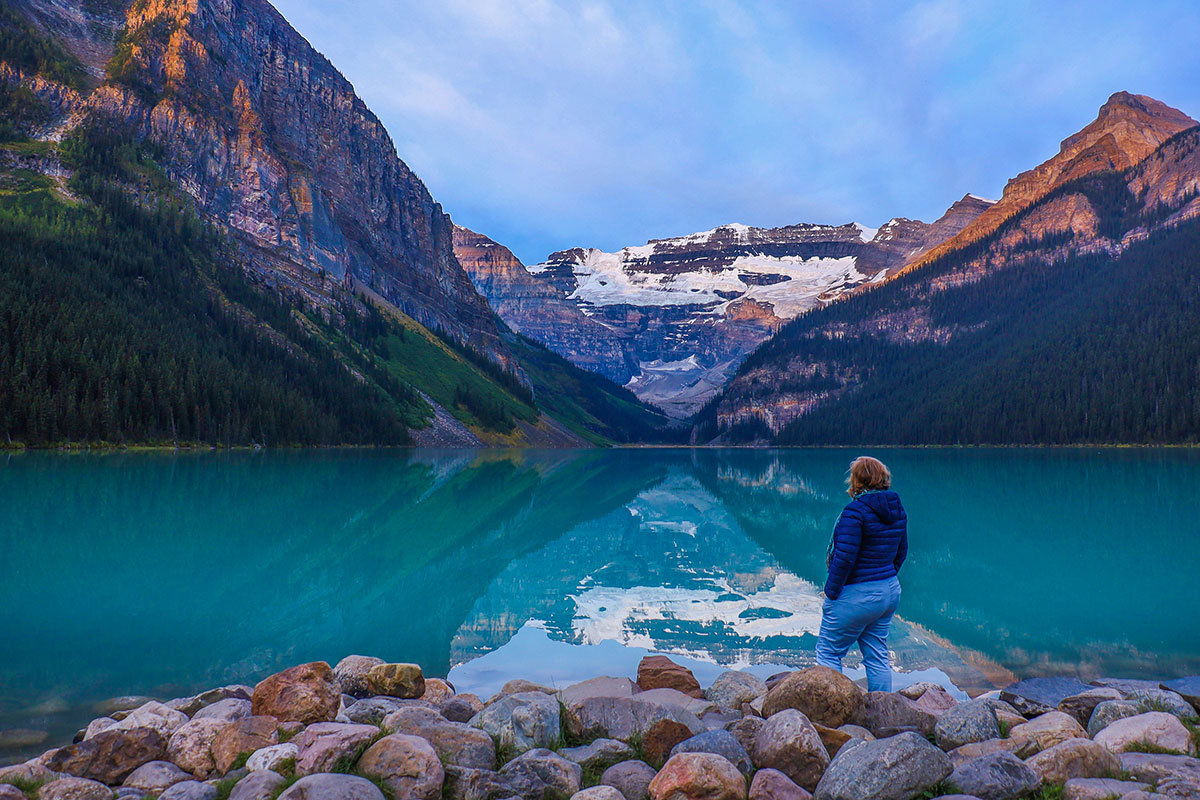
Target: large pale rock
point(407, 765)
point(1156, 728)
point(231, 709)
point(604, 686)
point(456, 743)
point(110, 756)
point(72, 789)
point(258, 785)
point(274, 758)
point(1074, 758)
point(153, 715)
point(1080, 706)
point(698, 776)
point(521, 722)
point(734, 687)
point(190, 746)
point(660, 672)
point(156, 776)
point(396, 680)
point(599, 754)
point(825, 696)
point(897, 768)
point(997, 776)
point(350, 674)
point(630, 778)
point(1034, 696)
point(771, 784)
point(623, 718)
point(242, 737)
point(1100, 788)
point(328, 786)
point(541, 774)
point(969, 752)
point(28, 772)
point(189, 790)
point(887, 713)
point(461, 707)
point(789, 743)
point(1167, 771)
point(966, 723)
point(718, 742)
point(598, 793)
point(1188, 688)
point(332, 746)
point(1163, 700)
point(306, 693)
point(1045, 731)
point(97, 725)
point(1108, 712)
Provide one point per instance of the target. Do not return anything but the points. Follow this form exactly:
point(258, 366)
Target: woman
point(870, 542)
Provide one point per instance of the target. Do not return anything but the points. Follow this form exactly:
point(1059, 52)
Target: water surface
point(162, 574)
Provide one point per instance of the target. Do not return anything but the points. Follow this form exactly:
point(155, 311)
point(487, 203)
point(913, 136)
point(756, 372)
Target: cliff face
point(271, 141)
point(673, 318)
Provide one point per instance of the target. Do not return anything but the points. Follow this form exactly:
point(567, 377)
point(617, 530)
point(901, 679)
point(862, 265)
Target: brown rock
point(771, 784)
point(630, 778)
point(698, 776)
point(790, 744)
point(110, 756)
point(660, 672)
point(886, 713)
point(744, 730)
point(306, 693)
point(397, 680)
point(1080, 706)
point(935, 700)
point(242, 737)
point(832, 738)
point(661, 738)
point(437, 691)
point(408, 765)
point(1074, 758)
point(825, 696)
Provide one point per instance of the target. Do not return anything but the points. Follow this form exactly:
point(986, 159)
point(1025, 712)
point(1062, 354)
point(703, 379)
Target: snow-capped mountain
point(676, 316)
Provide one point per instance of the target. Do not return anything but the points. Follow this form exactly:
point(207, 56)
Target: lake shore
point(369, 730)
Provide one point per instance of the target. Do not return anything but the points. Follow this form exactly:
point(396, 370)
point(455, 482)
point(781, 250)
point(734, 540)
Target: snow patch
point(865, 233)
point(983, 199)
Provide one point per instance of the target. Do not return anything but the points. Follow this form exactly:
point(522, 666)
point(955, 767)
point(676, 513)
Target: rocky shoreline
point(370, 730)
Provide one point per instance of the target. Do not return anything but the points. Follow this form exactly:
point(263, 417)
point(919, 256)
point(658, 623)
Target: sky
point(599, 123)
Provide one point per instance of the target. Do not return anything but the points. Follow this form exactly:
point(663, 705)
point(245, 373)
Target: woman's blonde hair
point(867, 475)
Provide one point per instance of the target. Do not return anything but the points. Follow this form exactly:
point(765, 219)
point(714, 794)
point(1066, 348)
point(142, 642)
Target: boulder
point(154, 715)
point(630, 778)
point(10, 792)
point(604, 686)
point(541, 774)
point(965, 723)
point(1108, 712)
point(660, 672)
point(771, 784)
point(599, 754)
point(886, 713)
point(242, 737)
point(1156, 728)
point(28, 772)
point(1163, 700)
point(969, 752)
point(456, 743)
point(407, 765)
point(661, 737)
point(1034, 696)
point(274, 758)
point(373, 710)
point(1045, 731)
point(718, 742)
point(306, 693)
point(1074, 758)
point(156, 776)
point(745, 730)
point(1100, 788)
point(734, 687)
point(70, 789)
point(935, 700)
point(328, 786)
point(598, 793)
point(258, 785)
point(190, 790)
point(231, 709)
point(461, 707)
point(463, 783)
point(332, 746)
point(1125, 685)
point(1163, 770)
point(996, 776)
point(191, 705)
point(190, 746)
point(623, 718)
point(110, 756)
point(698, 776)
point(97, 725)
point(897, 768)
point(405, 681)
point(1188, 688)
point(520, 685)
point(1080, 706)
point(789, 743)
point(832, 738)
point(825, 696)
point(350, 674)
point(697, 706)
point(437, 691)
point(914, 690)
point(521, 722)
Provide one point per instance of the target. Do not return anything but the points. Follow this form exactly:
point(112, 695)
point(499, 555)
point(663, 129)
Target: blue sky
point(548, 125)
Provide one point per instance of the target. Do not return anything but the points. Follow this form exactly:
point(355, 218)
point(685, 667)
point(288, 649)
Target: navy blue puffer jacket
point(870, 541)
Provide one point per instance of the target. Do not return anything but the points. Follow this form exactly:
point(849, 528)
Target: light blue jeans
point(862, 613)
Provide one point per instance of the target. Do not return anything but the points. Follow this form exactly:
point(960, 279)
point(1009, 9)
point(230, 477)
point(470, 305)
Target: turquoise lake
point(159, 574)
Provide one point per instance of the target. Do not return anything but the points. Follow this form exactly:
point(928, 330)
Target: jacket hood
point(885, 505)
